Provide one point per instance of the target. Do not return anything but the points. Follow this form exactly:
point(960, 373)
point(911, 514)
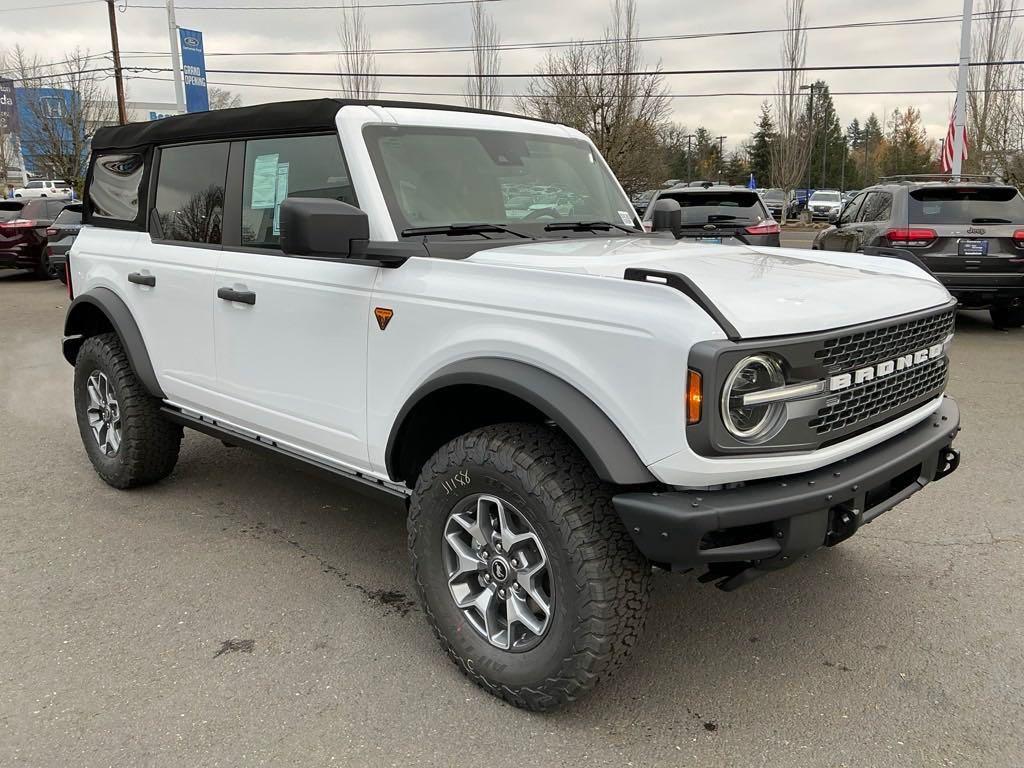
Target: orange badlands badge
point(383, 316)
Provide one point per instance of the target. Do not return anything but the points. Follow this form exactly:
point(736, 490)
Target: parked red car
point(23, 226)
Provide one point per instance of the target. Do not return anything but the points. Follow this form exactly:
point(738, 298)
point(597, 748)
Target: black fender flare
point(112, 306)
point(601, 442)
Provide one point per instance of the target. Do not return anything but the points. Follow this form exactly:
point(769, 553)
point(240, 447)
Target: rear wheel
point(127, 440)
point(1006, 316)
point(527, 575)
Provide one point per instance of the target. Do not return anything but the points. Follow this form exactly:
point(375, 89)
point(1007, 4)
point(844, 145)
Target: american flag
point(949, 145)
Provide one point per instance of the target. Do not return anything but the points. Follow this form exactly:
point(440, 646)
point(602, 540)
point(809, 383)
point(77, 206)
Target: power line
point(914, 21)
point(668, 95)
point(334, 7)
point(638, 73)
point(37, 7)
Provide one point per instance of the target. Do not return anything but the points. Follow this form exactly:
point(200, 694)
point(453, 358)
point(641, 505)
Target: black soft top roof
point(260, 119)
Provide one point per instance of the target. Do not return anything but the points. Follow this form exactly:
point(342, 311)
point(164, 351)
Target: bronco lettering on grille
point(880, 370)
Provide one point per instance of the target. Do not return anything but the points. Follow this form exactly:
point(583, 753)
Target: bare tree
point(222, 98)
point(993, 122)
point(357, 65)
point(790, 152)
point(63, 105)
point(597, 90)
point(482, 86)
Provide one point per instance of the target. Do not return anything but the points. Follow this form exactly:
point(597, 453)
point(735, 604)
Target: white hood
point(761, 291)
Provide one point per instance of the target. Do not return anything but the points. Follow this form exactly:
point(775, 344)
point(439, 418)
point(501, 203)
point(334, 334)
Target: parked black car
point(720, 214)
point(642, 199)
point(969, 234)
point(60, 235)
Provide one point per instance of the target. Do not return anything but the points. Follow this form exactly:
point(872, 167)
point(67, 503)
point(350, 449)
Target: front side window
point(441, 176)
point(296, 166)
point(851, 210)
point(114, 188)
point(190, 193)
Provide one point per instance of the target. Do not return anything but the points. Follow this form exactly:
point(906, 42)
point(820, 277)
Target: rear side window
point(69, 216)
point(966, 205)
point(727, 205)
point(114, 187)
point(190, 193)
point(35, 209)
point(296, 166)
point(877, 207)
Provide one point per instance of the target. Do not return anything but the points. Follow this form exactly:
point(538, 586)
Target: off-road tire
point(600, 581)
point(149, 444)
point(1007, 317)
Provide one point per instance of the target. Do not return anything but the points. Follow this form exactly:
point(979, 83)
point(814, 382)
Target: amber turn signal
point(694, 397)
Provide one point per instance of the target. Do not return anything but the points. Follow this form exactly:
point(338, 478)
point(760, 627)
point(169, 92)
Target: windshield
point(825, 197)
point(69, 216)
point(727, 206)
point(775, 195)
point(441, 176)
point(966, 205)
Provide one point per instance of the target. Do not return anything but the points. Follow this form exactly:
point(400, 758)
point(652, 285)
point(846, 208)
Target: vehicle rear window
point(114, 189)
point(705, 207)
point(966, 205)
point(10, 211)
point(35, 209)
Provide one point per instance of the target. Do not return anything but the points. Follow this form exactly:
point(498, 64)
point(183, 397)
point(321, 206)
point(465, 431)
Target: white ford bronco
point(461, 309)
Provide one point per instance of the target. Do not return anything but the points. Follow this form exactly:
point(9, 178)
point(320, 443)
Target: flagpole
point(960, 131)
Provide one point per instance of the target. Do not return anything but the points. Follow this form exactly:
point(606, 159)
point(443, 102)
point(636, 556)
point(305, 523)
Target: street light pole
point(122, 110)
point(721, 156)
point(689, 156)
point(960, 121)
point(179, 84)
point(810, 139)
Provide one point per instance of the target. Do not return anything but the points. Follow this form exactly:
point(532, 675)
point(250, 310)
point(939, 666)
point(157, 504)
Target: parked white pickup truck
point(563, 399)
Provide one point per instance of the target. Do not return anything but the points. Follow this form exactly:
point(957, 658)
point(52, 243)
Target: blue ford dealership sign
point(193, 70)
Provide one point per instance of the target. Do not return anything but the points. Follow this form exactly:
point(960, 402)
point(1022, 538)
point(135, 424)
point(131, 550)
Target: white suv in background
point(562, 399)
point(44, 188)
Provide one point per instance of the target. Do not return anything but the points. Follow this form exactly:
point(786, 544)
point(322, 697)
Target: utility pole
point(179, 84)
point(122, 110)
point(689, 156)
point(960, 122)
point(810, 137)
point(721, 156)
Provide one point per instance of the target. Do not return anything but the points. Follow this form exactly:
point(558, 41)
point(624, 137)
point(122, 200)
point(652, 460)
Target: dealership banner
point(193, 70)
point(8, 106)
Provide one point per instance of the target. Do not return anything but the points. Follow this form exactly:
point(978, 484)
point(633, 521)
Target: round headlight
point(752, 423)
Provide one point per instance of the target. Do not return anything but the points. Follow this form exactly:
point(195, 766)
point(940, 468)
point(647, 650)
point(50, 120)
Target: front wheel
point(527, 575)
point(1006, 316)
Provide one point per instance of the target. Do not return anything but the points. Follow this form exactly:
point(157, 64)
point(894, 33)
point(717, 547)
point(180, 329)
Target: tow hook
point(948, 462)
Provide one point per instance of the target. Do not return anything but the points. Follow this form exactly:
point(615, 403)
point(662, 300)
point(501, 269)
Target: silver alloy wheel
point(103, 412)
point(498, 572)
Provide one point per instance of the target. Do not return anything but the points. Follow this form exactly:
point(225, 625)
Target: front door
point(291, 332)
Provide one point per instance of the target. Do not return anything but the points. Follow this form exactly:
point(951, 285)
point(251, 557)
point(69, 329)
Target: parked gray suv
point(969, 234)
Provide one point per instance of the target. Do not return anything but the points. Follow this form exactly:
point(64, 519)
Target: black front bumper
point(982, 290)
point(742, 533)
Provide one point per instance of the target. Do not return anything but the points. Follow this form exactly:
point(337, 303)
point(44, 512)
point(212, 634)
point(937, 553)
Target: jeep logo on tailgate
point(881, 370)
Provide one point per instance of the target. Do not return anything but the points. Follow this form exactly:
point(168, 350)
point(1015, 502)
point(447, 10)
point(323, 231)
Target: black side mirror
point(833, 215)
point(667, 216)
point(319, 226)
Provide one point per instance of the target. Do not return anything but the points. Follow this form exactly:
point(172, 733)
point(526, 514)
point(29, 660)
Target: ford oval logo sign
point(191, 42)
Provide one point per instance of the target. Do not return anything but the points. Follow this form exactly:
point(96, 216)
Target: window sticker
point(281, 194)
point(626, 218)
point(264, 181)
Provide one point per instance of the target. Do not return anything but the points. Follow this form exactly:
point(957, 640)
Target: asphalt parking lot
point(243, 612)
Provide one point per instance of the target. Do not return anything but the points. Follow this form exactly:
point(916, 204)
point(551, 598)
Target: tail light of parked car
point(51, 232)
point(1018, 238)
point(913, 238)
point(19, 224)
point(768, 227)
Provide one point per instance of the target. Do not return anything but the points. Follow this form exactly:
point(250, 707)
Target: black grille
point(867, 347)
point(880, 396)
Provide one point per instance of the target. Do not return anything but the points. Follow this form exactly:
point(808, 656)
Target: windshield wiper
point(555, 226)
point(462, 229)
point(990, 220)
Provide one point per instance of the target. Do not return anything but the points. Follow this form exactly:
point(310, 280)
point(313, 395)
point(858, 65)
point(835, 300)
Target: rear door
point(291, 332)
point(973, 228)
point(168, 276)
point(874, 219)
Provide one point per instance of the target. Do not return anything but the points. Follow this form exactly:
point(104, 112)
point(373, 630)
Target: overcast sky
point(51, 31)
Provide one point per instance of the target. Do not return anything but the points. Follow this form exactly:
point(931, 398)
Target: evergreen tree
point(829, 150)
point(907, 147)
point(759, 154)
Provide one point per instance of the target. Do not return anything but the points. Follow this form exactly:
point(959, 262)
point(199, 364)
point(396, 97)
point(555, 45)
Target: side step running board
point(231, 436)
point(686, 286)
